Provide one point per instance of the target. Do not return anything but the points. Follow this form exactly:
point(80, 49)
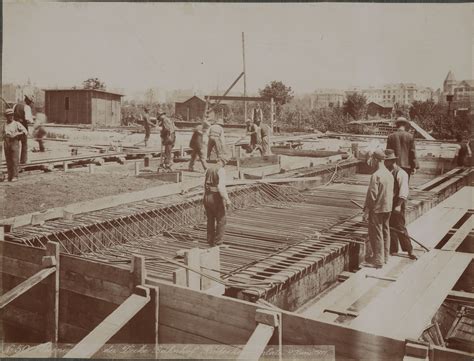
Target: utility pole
point(245, 76)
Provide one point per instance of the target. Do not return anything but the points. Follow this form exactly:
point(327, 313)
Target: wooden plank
point(179, 277)
point(138, 270)
point(400, 294)
point(210, 261)
point(94, 269)
point(24, 319)
point(19, 268)
point(457, 238)
point(257, 342)
point(14, 293)
point(52, 315)
point(237, 98)
point(412, 324)
point(438, 353)
point(109, 327)
point(461, 296)
point(21, 252)
point(192, 258)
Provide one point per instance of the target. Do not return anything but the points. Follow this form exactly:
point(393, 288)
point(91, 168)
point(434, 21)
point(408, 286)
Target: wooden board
point(460, 235)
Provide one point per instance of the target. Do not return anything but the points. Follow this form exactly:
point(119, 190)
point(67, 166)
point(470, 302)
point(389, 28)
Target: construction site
point(109, 250)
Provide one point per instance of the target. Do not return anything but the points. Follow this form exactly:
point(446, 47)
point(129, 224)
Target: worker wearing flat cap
point(398, 229)
point(377, 208)
point(22, 113)
point(403, 143)
point(197, 148)
point(216, 200)
point(11, 134)
point(168, 137)
point(216, 139)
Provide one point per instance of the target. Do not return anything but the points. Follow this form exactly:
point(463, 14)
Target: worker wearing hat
point(216, 139)
point(197, 148)
point(168, 137)
point(22, 113)
point(377, 208)
point(253, 131)
point(403, 143)
point(216, 200)
point(147, 125)
point(398, 230)
point(11, 135)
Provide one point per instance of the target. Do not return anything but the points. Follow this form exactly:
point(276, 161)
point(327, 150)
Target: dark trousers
point(217, 144)
point(379, 237)
point(12, 156)
point(197, 154)
point(40, 144)
point(397, 222)
point(147, 135)
point(24, 149)
point(216, 219)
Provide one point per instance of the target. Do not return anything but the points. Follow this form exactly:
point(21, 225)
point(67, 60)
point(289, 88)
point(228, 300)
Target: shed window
point(66, 103)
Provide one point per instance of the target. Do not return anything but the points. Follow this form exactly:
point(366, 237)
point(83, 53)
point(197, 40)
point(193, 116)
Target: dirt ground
point(41, 191)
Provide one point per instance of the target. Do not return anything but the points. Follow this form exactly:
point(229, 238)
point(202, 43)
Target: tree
point(93, 83)
point(281, 94)
point(355, 105)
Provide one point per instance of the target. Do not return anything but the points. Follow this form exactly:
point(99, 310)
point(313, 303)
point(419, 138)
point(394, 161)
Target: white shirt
point(402, 180)
point(222, 181)
point(28, 114)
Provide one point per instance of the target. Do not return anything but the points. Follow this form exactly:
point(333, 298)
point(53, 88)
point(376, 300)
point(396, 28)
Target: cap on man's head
point(198, 128)
point(160, 114)
point(379, 154)
point(9, 111)
point(28, 99)
point(248, 120)
point(401, 121)
point(390, 154)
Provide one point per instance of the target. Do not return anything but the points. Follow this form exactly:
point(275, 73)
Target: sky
point(135, 46)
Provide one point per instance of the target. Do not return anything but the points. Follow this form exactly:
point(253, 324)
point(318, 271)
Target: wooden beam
point(23, 287)
point(52, 315)
point(192, 258)
point(237, 98)
point(461, 297)
point(96, 339)
point(138, 270)
point(257, 342)
point(457, 238)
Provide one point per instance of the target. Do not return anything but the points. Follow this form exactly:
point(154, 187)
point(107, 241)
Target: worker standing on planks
point(168, 137)
point(147, 125)
point(22, 113)
point(12, 133)
point(398, 230)
point(265, 131)
point(377, 208)
point(254, 132)
point(463, 155)
point(197, 148)
point(403, 143)
point(216, 200)
point(216, 139)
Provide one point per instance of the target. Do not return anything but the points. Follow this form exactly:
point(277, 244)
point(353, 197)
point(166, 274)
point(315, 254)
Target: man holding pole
point(398, 230)
point(377, 208)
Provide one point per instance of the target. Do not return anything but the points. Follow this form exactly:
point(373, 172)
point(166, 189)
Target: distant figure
point(377, 208)
point(403, 143)
point(265, 131)
point(255, 136)
point(216, 139)
point(197, 148)
point(257, 114)
point(39, 132)
point(168, 137)
point(22, 113)
point(463, 155)
point(12, 134)
point(215, 201)
point(147, 125)
point(398, 230)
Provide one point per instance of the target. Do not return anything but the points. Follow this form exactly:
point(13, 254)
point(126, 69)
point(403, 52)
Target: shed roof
point(80, 89)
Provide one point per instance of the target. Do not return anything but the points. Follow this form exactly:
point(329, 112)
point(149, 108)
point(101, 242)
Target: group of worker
point(259, 133)
point(387, 195)
point(14, 134)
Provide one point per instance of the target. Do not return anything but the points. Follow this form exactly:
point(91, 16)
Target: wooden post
point(2, 233)
point(138, 270)
point(91, 168)
point(237, 157)
point(66, 166)
point(245, 76)
point(137, 168)
point(146, 161)
point(52, 315)
point(192, 258)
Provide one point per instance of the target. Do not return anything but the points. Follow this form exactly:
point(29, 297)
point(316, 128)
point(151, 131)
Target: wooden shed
point(83, 106)
point(191, 109)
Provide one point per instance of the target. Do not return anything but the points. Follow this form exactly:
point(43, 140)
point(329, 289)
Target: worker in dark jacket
point(22, 113)
point(216, 200)
point(197, 148)
point(403, 143)
point(398, 229)
point(11, 135)
point(463, 155)
point(147, 125)
point(168, 137)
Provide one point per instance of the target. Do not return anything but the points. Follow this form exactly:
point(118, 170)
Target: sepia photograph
point(237, 181)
